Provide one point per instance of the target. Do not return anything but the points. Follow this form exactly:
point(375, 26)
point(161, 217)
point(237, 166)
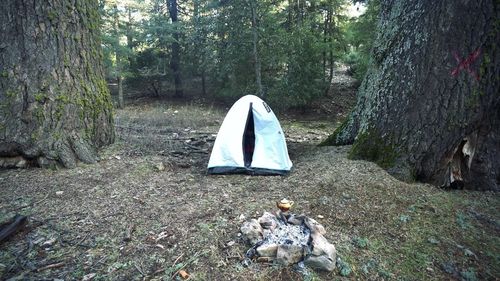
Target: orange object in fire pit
point(284, 205)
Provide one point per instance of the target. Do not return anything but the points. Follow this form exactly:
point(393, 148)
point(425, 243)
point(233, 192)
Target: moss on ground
point(332, 139)
point(371, 146)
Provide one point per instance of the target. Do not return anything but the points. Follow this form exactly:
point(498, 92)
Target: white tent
point(250, 140)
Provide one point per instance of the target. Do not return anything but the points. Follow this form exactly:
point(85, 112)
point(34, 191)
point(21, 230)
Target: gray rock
point(289, 254)
point(252, 231)
point(323, 255)
point(321, 246)
point(322, 262)
point(267, 250)
point(268, 221)
point(296, 219)
point(323, 200)
point(314, 226)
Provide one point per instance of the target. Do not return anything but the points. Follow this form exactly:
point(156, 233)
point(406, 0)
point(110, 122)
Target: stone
point(268, 221)
point(160, 167)
point(321, 246)
point(89, 276)
point(314, 226)
point(289, 254)
point(267, 250)
point(322, 262)
point(323, 200)
point(242, 218)
point(59, 193)
point(49, 243)
point(323, 255)
point(296, 219)
point(252, 231)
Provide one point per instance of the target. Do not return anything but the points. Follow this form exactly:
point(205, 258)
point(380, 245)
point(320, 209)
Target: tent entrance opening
point(249, 139)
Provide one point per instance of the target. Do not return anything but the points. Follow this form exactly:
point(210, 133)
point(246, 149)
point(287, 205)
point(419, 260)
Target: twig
point(54, 265)
point(111, 215)
point(139, 269)
point(80, 242)
point(184, 265)
point(193, 147)
point(163, 269)
point(177, 259)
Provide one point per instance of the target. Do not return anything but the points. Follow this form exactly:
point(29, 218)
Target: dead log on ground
point(12, 226)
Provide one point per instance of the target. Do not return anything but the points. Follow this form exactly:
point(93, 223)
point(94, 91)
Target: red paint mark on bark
point(466, 63)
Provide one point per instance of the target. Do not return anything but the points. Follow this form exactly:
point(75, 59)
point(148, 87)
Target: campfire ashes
point(286, 238)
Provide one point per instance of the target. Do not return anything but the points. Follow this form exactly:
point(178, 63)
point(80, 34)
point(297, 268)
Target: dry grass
point(182, 218)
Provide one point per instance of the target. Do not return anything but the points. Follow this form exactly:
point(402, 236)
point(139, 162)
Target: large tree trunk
point(175, 60)
point(54, 102)
point(428, 108)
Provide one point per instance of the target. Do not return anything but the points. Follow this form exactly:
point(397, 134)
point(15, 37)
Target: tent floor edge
point(249, 171)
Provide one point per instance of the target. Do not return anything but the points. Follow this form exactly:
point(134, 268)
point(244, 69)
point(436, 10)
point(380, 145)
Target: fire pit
point(287, 238)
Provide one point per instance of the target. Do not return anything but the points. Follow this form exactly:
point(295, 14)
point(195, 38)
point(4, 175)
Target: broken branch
point(54, 265)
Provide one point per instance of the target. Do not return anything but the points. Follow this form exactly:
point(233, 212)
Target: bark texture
point(255, 43)
point(429, 106)
point(175, 60)
point(55, 106)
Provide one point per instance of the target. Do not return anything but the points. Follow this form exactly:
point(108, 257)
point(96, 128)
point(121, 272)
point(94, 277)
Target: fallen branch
point(12, 226)
point(54, 265)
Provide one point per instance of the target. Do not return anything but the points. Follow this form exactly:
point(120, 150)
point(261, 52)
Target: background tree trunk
point(428, 108)
point(119, 78)
point(175, 60)
point(55, 104)
point(255, 42)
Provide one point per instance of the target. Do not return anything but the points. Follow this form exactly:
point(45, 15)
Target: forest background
point(284, 51)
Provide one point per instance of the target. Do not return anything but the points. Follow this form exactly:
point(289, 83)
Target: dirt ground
point(148, 209)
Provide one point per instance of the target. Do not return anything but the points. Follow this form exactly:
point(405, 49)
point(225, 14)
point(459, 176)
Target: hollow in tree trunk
point(55, 106)
point(428, 108)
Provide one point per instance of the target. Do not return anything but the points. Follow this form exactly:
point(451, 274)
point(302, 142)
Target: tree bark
point(255, 42)
point(428, 108)
point(200, 39)
point(55, 106)
point(119, 78)
point(130, 43)
point(175, 60)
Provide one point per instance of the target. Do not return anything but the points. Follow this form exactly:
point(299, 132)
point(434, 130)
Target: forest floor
point(148, 208)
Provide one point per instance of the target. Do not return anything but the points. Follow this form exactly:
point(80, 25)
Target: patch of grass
point(361, 242)
point(345, 269)
point(462, 221)
point(469, 274)
point(404, 218)
point(372, 147)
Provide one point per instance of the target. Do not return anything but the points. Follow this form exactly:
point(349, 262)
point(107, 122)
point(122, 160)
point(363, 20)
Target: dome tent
point(250, 140)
